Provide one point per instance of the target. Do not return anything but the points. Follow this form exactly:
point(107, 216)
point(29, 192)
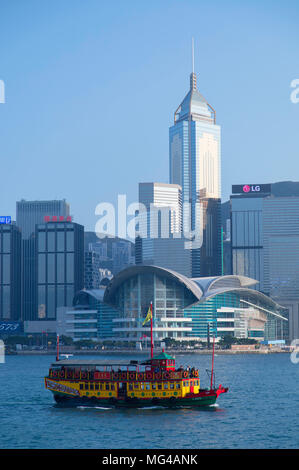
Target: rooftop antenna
point(192, 55)
point(192, 75)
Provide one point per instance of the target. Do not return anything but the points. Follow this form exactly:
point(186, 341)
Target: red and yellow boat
point(152, 382)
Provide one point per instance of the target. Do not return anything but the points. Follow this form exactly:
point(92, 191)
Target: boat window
point(86, 386)
point(81, 386)
point(96, 387)
point(165, 386)
point(112, 387)
point(136, 385)
point(130, 386)
point(107, 387)
point(177, 385)
point(142, 386)
point(148, 386)
point(91, 386)
point(159, 386)
point(101, 386)
point(187, 384)
point(154, 386)
point(172, 385)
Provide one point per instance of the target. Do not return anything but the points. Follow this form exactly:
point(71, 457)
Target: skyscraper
point(10, 272)
point(265, 241)
point(194, 164)
point(29, 214)
point(161, 242)
point(60, 266)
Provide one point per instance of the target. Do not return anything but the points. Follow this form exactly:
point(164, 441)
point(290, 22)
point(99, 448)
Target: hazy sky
point(91, 88)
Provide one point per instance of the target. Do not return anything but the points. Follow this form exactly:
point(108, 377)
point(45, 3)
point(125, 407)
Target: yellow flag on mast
point(148, 316)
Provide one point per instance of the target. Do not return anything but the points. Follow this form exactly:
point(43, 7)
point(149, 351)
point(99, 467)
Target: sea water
point(260, 410)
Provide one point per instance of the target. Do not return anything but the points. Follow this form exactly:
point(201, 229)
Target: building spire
point(192, 75)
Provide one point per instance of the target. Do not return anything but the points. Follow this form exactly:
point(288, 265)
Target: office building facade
point(160, 239)
point(59, 266)
point(265, 241)
point(10, 273)
point(29, 214)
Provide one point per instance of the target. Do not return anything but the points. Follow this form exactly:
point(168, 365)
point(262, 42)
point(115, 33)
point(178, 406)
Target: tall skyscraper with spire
point(194, 163)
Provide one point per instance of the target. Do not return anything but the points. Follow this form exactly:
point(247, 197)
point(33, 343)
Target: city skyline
point(73, 122)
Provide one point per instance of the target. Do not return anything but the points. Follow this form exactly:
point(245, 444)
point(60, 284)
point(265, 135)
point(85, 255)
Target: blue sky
point(91, 88)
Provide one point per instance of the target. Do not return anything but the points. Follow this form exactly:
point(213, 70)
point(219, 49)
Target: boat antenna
point(57, 348)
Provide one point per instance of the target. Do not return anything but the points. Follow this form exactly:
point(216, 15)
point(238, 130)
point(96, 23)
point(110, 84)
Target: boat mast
point(57, 348)
point(152, 344)
point(212, 363)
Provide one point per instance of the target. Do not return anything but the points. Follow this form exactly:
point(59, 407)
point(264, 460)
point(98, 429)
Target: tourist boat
point(152, 382)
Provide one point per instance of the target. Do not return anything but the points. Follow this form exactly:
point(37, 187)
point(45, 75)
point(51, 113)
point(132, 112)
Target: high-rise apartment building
point(194, 157)
point(10, 272)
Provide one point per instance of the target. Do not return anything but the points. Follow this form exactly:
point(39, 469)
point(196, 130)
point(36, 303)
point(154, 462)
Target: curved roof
point(125, 274)
point(202, 288)
point(210, 284)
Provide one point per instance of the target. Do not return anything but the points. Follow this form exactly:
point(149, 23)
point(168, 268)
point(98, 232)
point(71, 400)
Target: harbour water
point(261, 410)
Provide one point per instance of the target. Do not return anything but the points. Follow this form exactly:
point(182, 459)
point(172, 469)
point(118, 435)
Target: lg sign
point(251, 189)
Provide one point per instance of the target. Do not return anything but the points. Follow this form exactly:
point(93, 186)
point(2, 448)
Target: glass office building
point(59, 266)
point(194, 157)
point(29, 214)
point(10, 272)
point(265, 241)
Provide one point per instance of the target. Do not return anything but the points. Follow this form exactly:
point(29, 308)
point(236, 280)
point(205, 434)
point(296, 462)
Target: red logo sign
point(55, 218)
point(246, 188)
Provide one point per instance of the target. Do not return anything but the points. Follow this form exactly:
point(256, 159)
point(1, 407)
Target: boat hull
point(206, 399)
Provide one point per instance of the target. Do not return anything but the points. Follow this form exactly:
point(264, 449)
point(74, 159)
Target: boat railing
point(131, 376)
